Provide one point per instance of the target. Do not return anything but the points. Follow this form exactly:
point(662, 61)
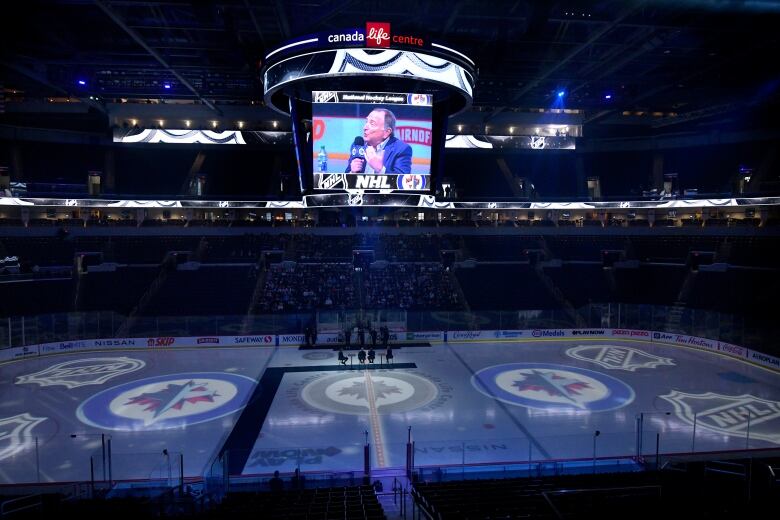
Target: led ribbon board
point(317, 70)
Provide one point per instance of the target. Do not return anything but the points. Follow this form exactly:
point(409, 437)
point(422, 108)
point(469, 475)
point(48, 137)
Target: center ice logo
point(369, 393)
point(552, 387)
point(164, 402)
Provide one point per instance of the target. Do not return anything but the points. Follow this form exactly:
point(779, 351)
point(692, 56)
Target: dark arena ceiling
point(627, 67)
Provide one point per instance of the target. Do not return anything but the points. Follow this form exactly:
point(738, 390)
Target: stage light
point(608, 96)
point(161, 123)
point(460, 128)
point(167, 86)
point(134, 122)
point(561, 93)
point(275, 123)
point(511, 129)
point(82, 82)
point(213, 124)
point(187, 123)
point(240, 124)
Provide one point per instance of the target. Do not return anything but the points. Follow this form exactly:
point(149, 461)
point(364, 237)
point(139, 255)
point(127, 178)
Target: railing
point(342, 462)
point(738, 330)
point(19, 504)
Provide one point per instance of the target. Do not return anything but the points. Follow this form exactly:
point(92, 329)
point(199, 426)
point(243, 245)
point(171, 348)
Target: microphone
point(358, 151)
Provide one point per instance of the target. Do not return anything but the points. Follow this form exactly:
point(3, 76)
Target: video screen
point(371, 141)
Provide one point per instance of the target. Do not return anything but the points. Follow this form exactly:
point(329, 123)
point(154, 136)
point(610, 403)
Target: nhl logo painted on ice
point(332, 181)
point(613, 357)
point(83, 372)
point(16, 434)
point(729, 414)
point(549, 387)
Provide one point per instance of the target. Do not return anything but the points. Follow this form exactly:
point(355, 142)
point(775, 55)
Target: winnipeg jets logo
point(16, 434)
point(359, 391)
point(173, 397)
point(165, 402)
point(83, 372)
point(613, 357)
point(411, 181)
point(729, 414)
point(549, 387)
point(361, 394)
point(553, 384)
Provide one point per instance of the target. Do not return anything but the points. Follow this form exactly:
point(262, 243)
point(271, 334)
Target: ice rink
point(282, 408)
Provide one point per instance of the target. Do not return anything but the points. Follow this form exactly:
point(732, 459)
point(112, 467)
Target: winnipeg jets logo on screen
point(411, 181)
point(377, 34)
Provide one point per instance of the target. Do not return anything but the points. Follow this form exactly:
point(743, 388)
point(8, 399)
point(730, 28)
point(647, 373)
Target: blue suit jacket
point(397, 158)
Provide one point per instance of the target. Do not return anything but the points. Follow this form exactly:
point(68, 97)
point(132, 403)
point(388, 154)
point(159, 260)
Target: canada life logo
point(377, 34)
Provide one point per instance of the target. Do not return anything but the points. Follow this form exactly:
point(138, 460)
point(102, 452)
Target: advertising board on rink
point(270, 340)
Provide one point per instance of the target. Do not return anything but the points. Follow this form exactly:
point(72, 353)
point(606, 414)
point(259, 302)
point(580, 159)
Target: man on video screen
point(384, 153)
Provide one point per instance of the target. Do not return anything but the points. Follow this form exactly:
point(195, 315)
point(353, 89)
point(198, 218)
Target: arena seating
point(584, 247)
point(349, 503)
point(581, 282)
point(752, 251)
point(734, 272)
point(244, 248)
point(307, 287)
point(650, 283)
point(703, 489)
point(737, 290)
point(206, 290)
point(317, 248)
point(509, 248)
point(36, 296)
point(40, 250)
point(414, 248)
point(504, 286)
point(410, 286)
point(118, 290)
